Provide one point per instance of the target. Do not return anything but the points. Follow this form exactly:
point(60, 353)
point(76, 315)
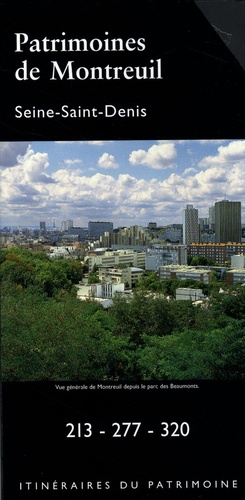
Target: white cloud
point(29, 191)
point(34, 166)
point(227, 155)
point(93, 143)
point(72, 162)
point(159, 157)
point(29, 168)
point(98, 143)
point(205, 142)
point(107, 161)
point(190, 170)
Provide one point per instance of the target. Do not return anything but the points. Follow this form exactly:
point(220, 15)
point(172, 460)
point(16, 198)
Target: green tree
point(92, 279)
point(150, 282)
point(201, 260)
point(17, 268)
point(216, 354)
point(143, 313)
point(66, 340)
point(72, 269)
point(48, 335)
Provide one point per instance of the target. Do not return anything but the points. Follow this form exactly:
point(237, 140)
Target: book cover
point(122, 137)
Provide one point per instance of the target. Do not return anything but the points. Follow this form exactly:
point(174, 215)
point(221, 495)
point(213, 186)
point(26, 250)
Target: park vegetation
point(49, 335)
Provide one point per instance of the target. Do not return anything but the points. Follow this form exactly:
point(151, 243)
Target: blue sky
point(126, 182)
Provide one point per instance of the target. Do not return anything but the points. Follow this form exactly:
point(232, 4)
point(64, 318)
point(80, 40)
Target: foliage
point(168, 287)
point(217, 354)
point(201, 260)
point(47, 334)
point(150, 282)
point(93, 277)
point(36, 269)
point(53, 340)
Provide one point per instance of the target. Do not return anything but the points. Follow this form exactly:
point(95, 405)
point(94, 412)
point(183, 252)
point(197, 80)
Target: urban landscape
point(135, 280)
point(134, 302)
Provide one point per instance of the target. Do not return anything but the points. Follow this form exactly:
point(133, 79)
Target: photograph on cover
point(123, 260)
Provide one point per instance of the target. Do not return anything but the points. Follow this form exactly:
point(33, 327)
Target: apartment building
point(190, 225)
point(192, 294)
point(184, 273)
point(99, 290)
point(219, 253)
point(234, 276)
point(132, 236)
point(127, 275)
point(114, 258)
point(163, 255)
point(227, 221)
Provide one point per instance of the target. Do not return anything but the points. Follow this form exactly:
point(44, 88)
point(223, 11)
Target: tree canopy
point(49, 334)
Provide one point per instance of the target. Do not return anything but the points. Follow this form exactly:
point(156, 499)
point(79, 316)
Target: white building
point(238, 261)
point(184, 273)
point(163, 255)
point(99, 290)
point(66, 225)
point(192, 294)
point(62, 251)
point(127, 275)
point(114, 258)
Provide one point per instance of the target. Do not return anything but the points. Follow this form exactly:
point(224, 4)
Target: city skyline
point(125, 182)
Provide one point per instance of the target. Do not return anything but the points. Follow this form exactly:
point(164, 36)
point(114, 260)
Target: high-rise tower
point(190, 225)
point(212, 218)
point(227, 221)
point(66, 225)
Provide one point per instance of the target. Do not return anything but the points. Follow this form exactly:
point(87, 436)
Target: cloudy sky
point(126, 182)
